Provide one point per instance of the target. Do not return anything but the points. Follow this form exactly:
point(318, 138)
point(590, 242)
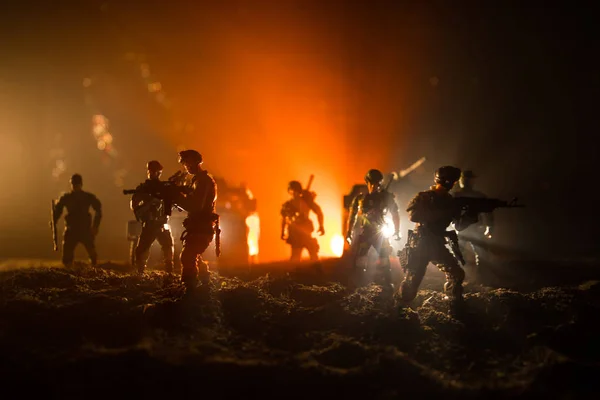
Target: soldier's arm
point(283, 220)
point(191, 201)
point(463, 218)
point(319, 212)
point(352, 216)
point(136, 199)
point(463, 221)
point(393, 209)
point(97, 207)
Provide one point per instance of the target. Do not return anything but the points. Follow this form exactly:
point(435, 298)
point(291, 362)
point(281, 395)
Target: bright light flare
point(337, 245)
point(387, 230)
point(253, 224)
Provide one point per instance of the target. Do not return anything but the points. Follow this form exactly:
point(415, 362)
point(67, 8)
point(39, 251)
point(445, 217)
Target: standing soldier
point(201, 222)
point(432, 211)
point(295, 219)
point(369, 210)
point(151, 211)
point(79, 227)
point(480, 230)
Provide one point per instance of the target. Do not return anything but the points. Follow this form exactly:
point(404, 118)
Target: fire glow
point(253, 224)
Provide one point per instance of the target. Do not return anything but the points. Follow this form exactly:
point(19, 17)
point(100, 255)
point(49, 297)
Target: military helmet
point(154, 166)
point(447, 176)
point(374, 176)
point(76, 179)
point(190, 155)
point(295, 186)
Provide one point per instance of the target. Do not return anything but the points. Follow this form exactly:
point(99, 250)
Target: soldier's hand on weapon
point(283, 237)
point(397, 236)
point(321, 231)
point(349, 238)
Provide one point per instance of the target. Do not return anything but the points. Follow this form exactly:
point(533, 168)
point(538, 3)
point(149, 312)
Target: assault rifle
point(169, 191)
point(476, 205)
point(473, 206)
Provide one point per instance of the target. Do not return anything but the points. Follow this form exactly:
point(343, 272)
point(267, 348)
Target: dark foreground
point(107, 334)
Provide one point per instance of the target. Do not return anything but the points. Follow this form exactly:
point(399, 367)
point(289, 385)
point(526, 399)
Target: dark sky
point(505, 89)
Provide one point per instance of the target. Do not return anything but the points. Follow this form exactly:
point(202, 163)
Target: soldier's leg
point(192, 264)
point(455, 275)
point(361, 248)
point(415, 271)
point(201, 265)
point(360, 274)
point(385, 250)
point(313, 249)
point(296, 253)
point(142, 250)
point(166, 243)
point(90, 246)
point(69, 243)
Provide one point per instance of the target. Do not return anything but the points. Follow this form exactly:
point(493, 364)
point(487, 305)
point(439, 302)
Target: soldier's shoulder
point(421, 197)
point(309, 195)
point(287, 206)
point(425, 194)
point(92, 198)
point(287, 203)
point(64, 195)
point(210, 178)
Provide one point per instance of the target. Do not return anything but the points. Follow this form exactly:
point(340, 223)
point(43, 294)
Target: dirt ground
point(281, 331)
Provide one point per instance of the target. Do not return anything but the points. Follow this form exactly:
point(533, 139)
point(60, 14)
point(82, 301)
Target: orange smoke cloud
point(276, 104)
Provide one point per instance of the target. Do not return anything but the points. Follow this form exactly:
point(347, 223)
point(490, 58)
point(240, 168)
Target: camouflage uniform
point(79, 227)
point(432, 211)
point(151, 212)
point(295, 216)
point(480, 230)
point(200, 224)
point(369, 210)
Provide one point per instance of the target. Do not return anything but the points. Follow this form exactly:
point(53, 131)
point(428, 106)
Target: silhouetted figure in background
point(79, 227)
point(295, 219)
point(151, 210)
point(369, 211)
point(480, 231)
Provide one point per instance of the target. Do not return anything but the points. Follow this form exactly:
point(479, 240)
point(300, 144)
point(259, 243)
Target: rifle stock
point(310, 181)
point(53, 226)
